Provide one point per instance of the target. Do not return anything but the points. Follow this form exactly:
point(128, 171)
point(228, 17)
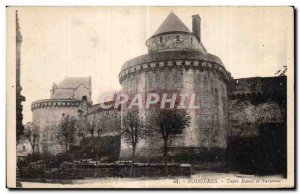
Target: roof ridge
point(172, 23)
point(74, 82)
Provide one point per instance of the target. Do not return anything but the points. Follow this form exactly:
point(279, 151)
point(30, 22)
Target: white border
point(4, 3)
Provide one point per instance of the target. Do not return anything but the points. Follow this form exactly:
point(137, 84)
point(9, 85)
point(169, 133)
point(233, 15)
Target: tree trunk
point(133, 159)
point(165, 157)
point(66, 146)
point(97, 150)
point(33, 143)
point(32, 146)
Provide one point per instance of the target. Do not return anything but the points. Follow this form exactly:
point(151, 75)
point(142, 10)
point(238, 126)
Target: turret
point(174, 35)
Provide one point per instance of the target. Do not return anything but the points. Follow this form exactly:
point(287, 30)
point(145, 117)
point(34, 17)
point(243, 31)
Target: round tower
point(177, 61)
point(70, 97)
point(47, 114)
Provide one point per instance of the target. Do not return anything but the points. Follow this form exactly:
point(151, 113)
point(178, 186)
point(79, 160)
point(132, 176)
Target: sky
point(61, 42)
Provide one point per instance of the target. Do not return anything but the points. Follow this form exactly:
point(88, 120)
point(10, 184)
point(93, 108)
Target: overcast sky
point(95, 41)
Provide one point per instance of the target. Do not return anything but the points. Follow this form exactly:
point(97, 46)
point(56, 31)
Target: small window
point(160, 39)
point(192, 40)
point(177, 38)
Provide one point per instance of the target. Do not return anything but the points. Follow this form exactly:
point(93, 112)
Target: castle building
point(177, 61)
point(72, 96)
point(72, 88)
point(241, 122)
point(66, 98)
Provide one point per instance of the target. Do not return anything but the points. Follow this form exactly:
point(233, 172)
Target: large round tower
point(178, 61)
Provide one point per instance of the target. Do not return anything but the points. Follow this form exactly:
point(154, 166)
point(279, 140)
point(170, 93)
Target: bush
point(66, 170)
point(34, 170)
point(58, 159)
point(32, 157)
point(66, 165)
point(48, 160)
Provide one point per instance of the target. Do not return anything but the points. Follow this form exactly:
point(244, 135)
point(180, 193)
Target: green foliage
point(48, 159)
point(92, 124)
point(133, 126)
point(32, 157)
point(31, 132)
point(67, 128)
point(34, 170)
point(168, 122)
point(58, 159)
point(108, 146)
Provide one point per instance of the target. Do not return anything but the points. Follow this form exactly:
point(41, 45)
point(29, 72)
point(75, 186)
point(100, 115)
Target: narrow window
point(177, 38)
point(160, 39)
point(192, 40)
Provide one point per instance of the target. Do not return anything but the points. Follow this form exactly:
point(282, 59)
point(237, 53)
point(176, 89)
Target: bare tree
point(101, 124)
point(81, 124)
point(169, 123)
point(67, 130)
point(31, 132)
point(133, 129)
point(92, 124)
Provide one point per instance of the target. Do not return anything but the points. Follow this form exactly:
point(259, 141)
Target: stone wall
point(174, 41)
point(71, 93)
point(63, 93)
point(108, 121)
point(255, 101)
point(82, 91)
point(209, 124)
point(47, 115)
point(258, 128)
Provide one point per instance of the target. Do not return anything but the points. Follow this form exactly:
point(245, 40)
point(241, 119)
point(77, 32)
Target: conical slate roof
point(172, 24)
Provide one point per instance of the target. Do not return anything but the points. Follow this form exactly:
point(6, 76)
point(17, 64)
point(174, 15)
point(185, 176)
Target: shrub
point(58, 159)
point(32, 157)
point(66, 165)
point(34, 170)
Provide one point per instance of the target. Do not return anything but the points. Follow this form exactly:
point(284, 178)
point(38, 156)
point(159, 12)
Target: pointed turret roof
point(172, 24)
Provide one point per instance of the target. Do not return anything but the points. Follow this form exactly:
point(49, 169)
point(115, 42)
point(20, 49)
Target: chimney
point(197, 26)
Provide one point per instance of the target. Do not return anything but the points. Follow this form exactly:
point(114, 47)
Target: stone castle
point(176, 61)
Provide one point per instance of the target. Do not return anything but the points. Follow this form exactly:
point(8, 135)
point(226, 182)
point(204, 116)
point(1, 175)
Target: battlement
point(144, 63)
point(48, 103)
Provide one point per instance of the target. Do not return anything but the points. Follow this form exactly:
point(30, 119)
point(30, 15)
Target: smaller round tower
point(69, 97)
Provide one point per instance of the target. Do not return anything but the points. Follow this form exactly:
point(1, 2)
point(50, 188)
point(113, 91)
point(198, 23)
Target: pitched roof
point(172, 24)
point(75, 82)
